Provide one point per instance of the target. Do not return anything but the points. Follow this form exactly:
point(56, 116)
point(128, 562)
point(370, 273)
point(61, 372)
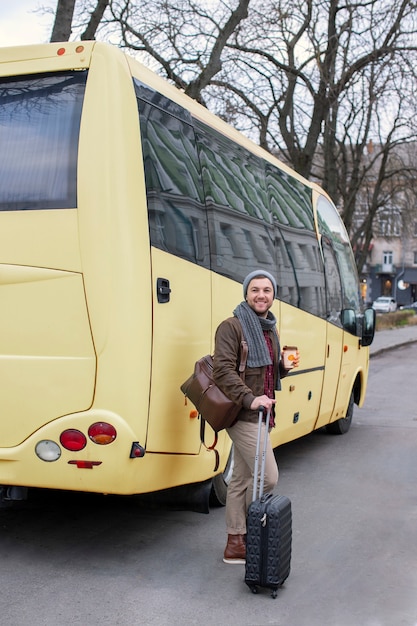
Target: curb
point(392, 347)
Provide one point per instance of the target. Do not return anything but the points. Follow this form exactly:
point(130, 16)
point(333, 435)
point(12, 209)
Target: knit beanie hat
point(258, 274)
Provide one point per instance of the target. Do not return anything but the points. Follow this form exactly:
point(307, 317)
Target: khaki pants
point(240, 489)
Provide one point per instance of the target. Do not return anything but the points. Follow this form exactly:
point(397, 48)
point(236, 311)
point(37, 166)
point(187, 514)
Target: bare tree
point(307, 55)
point(370, 159)
point(186, 40)
point(67, 20)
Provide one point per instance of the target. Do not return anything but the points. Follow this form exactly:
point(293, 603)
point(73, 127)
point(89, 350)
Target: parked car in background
point(412, 306)
point(384, 304)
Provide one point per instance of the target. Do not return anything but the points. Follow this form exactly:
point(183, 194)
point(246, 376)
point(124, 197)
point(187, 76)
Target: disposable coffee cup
point(289, 353)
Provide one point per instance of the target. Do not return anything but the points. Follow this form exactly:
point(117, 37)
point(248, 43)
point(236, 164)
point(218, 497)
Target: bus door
point(331, 398)
point(302, 285)
point(298, 402)
point(181, 335)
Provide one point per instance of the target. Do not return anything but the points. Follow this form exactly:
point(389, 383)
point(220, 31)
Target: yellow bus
point(129, 216)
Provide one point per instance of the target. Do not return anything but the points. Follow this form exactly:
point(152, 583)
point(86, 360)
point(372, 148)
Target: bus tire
point(342, 425)
point(220, 482)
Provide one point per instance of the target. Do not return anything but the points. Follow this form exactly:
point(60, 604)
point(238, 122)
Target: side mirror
point(368, 328)
point(348, 318)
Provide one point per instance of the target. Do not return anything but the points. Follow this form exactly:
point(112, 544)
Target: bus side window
point(240, 224)
point(333, 228)
point(333, 283)
point(302, 279)
point(177, 219)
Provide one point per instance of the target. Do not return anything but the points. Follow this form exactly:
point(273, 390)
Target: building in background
point(391, 266)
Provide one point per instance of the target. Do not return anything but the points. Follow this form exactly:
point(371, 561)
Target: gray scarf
point(253, 327)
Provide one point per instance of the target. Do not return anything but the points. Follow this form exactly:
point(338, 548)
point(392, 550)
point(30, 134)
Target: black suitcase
point(269, 533)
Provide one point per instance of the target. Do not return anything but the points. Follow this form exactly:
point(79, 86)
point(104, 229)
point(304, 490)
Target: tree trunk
point(95, 19)
point(63, 20)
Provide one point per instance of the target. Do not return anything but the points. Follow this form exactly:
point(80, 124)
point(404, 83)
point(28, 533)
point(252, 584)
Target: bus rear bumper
point(110, 469)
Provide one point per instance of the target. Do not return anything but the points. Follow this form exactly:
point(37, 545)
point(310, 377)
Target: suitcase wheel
point(253, 588)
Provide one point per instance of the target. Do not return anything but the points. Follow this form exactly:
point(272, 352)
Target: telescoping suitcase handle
point(258, 447)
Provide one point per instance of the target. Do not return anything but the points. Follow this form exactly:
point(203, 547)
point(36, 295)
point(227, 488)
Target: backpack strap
point(213, 445)
point(242, 367)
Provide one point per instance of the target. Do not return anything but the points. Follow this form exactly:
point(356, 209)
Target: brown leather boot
point(235, 551)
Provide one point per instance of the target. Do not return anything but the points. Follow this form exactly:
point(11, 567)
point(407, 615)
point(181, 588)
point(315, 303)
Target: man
point(253, 321)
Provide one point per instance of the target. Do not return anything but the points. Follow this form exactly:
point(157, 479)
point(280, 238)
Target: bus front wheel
point(342, 425)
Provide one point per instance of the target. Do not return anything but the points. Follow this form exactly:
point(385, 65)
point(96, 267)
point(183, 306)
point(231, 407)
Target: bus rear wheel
point(220, 483)
point(341, 426)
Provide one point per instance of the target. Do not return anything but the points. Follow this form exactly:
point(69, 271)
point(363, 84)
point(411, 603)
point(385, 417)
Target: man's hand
point(264, 401)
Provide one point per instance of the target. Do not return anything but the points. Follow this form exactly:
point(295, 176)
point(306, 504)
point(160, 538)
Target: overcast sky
point(21, 23)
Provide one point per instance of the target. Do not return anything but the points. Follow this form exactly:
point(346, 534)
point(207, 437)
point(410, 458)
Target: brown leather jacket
point(225, 368)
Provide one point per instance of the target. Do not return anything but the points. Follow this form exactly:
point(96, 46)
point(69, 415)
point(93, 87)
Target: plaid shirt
point(269, 378)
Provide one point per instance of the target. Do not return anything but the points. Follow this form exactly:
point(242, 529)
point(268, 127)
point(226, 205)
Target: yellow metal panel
point(19, 60)
point(298, 402)
point(181, 334)
point(40, 238)
point(334, 351)
point(47, 363)
point(354, 360)
point(114, 239)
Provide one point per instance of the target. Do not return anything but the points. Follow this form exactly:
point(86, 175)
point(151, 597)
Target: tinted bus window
point(39, 128)
point(300, 272)
point(290, 200)
point(334, 292)
point(233, 177)
point(156, 99)
point(240, 223)
point(177, 219)
point(332, 227)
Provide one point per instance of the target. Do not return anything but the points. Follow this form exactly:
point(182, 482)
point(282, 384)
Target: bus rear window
point(39, 129)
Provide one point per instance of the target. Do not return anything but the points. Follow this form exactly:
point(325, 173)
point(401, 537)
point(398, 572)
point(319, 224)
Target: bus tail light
point(73, 440)
point(102, 433)
point(84, 464)
point(47, 450)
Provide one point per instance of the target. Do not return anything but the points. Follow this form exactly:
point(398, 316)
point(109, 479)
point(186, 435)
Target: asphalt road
point(68, 559)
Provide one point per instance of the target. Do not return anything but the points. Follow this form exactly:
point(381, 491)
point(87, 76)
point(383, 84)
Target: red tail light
point(102, 433)
point(73, 440)
point(84, 464)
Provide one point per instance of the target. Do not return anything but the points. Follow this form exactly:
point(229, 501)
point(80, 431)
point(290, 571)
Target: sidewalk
point(393, 338)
